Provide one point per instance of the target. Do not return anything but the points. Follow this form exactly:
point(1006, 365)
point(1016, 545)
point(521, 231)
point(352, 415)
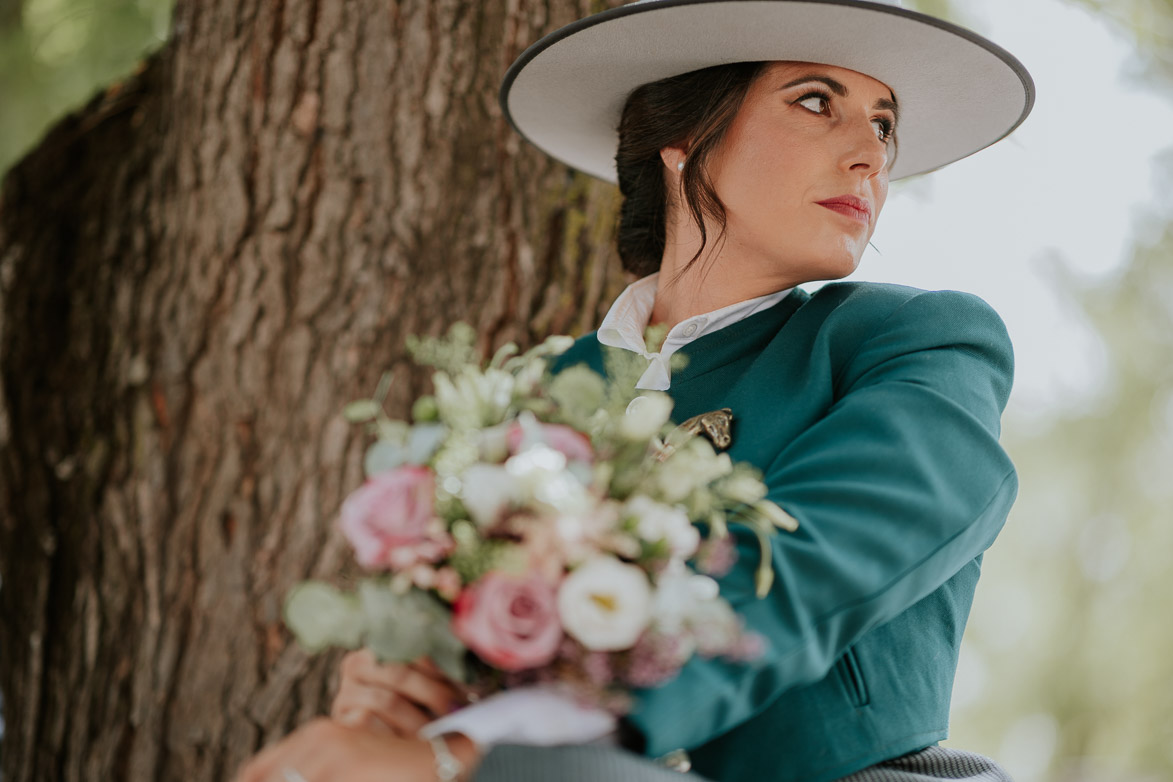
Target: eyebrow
point(837, 88)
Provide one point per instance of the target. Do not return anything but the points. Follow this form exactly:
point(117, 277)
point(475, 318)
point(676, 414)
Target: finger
point(426, 685)
point(426, 666)
point(354, 662)
point(356, 704)
point(361, 719)
point(406, 719)
point(434, 695)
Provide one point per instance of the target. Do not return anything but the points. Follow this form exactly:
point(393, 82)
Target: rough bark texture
point(197, 270)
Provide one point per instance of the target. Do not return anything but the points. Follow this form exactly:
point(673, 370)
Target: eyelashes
point(884, 125)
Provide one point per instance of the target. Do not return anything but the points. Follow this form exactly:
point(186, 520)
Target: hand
point(324, 751)
point(393, 698)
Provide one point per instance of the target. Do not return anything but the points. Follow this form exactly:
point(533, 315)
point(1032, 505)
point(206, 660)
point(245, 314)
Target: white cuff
point(535, 716)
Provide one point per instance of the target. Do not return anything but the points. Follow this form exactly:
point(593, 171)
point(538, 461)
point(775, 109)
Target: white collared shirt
point(624, 325)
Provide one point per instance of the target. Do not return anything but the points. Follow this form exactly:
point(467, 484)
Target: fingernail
point(350, 718)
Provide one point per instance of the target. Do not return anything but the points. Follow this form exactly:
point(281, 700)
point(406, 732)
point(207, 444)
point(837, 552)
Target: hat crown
point(895, 3)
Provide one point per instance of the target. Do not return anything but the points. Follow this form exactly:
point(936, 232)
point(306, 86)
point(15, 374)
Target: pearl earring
point(680, 166)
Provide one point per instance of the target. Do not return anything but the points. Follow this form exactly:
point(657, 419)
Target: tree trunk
point(197, 271)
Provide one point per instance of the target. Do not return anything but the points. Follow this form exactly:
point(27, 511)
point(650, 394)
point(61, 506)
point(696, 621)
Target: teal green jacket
point(874, 413)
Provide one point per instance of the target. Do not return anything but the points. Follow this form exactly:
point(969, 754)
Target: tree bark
point(198, 269)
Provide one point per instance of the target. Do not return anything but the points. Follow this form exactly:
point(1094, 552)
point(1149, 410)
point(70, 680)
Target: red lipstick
point(849, 206)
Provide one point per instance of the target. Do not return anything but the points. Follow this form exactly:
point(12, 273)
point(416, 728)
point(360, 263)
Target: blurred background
point(1067, 229)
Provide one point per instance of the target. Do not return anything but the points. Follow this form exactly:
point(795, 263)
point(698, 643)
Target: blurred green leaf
point(321, 616)
point(55, 54)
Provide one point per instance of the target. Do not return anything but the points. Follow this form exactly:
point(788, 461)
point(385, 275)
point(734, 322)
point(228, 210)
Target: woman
point(755, 144)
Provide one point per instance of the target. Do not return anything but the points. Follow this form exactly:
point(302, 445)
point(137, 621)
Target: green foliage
point(405, 625)
point(1068, 655)
point(398, 625)
point(1150, 23)
point(321, 616)
point(1084, 557)
point(54, 54)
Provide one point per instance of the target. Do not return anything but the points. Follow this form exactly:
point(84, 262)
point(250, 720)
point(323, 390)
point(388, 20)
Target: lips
point(849, 206)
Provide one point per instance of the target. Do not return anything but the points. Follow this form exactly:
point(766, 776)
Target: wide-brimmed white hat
point(958, 92)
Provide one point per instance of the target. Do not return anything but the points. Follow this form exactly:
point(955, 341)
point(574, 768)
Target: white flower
point(694, 465)
point(742, 487)
point(645, 415)
point(656, 521)
point(486, 491)
point(605, 604)
point(542, 474)
point(682, 597)
point(778, 517)
point(471, 398)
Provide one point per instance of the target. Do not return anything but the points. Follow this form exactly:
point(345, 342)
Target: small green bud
point(425, 409)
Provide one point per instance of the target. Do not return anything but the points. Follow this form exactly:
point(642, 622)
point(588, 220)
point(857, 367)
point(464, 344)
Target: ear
point(673, 156)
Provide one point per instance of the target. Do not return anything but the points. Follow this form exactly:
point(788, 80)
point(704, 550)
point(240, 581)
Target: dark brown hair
point(696, 109)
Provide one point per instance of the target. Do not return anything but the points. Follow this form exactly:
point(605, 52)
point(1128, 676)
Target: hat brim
point(958, 92)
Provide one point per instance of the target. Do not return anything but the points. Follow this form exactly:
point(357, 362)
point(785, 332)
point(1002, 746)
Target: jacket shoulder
point(865, 309)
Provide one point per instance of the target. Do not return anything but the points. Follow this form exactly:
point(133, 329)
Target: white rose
point(605, 604)
point(486, 491)
point(656, 522)
point(541, 474)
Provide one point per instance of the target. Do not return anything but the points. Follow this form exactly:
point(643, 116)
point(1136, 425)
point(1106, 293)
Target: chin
point(835, 268)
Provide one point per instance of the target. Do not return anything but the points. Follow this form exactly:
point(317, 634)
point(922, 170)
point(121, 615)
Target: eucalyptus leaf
point(361, 411)
point(423, 442)
point(448, 653)
point(384, 456)
point(320, 615)
point(393, 630)
point(406, 626)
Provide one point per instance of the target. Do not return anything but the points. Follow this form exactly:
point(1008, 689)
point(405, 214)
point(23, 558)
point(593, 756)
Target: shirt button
point(690, 329)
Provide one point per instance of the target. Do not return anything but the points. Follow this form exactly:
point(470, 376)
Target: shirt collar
point(624, 325)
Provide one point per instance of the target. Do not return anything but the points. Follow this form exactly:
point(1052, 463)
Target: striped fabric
point(933, 763)
point(510, 763)
point(585, 763)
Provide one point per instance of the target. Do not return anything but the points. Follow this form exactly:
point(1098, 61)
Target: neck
point(715, 280)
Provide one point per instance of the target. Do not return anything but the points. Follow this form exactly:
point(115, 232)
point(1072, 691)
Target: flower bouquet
point(536, 529)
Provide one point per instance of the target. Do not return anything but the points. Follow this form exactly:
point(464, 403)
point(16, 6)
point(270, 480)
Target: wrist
point(456, 756)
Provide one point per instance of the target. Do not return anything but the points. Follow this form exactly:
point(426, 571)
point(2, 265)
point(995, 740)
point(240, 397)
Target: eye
point(884, 128)
point(817, 102)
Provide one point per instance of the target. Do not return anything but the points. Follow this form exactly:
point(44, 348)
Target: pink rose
point(573, 444)
point(389, 520)
point(509, 621)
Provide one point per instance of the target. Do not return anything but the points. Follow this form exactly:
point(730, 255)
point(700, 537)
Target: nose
point(865, 152)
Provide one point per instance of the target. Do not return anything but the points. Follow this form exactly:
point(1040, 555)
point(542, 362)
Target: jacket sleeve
point(896, 488)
